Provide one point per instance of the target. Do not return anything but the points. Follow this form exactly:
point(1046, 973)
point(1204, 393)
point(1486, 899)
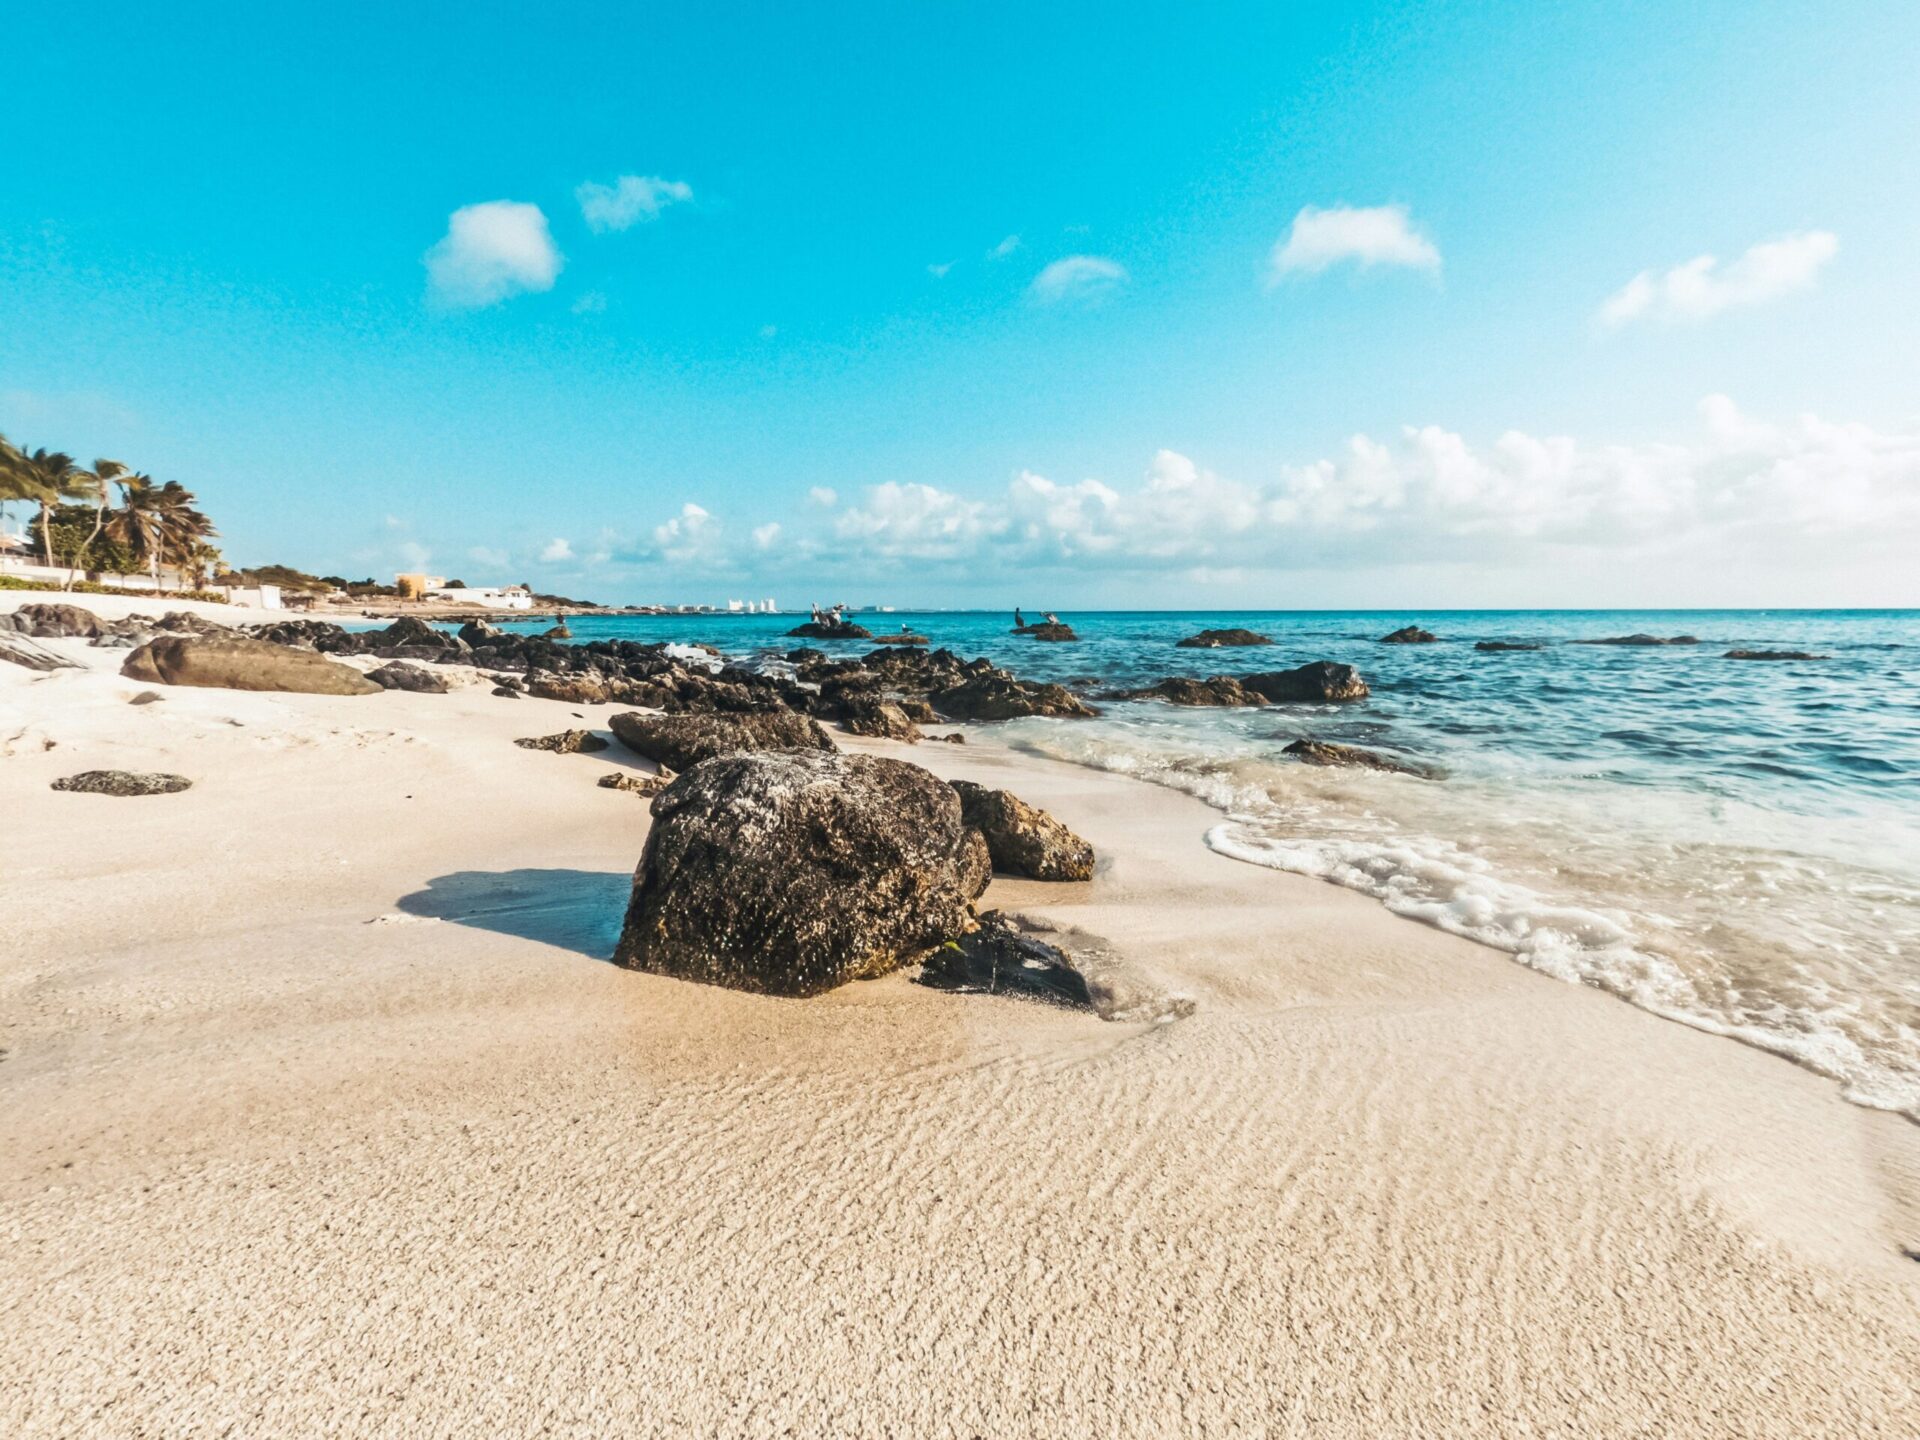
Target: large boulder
point(1215, 639)
point(996, 695)
point(235, 662)
point(791, 872)
point(1214, 690)
point(681, 742)
point(1321, 683)
point(1409, 635)
point(404, 675)
point(1022, 839)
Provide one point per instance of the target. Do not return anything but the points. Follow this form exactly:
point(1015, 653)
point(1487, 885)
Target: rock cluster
point(789, 872)
point(1642, 640)
point(1216, 690)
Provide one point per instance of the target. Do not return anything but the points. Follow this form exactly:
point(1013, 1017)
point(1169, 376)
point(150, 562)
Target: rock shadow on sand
point(577, 910)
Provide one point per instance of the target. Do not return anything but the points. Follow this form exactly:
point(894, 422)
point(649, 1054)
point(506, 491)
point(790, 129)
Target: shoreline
point(319, 1087)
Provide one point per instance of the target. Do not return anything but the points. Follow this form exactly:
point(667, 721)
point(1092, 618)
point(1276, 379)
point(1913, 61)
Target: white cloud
point(488, 555)
point(555, 550)
point(1005, 248)
point(1702, 288)
point(691, 535)
point(939, 272)
point(491, 251)
point(1740, 487)
point(1378, 235)
point(629, 200)
point(765, 535)
point(1077, 276)
point(823, 496)
point(917, 522)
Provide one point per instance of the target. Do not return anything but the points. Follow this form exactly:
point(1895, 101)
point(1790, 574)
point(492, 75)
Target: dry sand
point(321, 1114)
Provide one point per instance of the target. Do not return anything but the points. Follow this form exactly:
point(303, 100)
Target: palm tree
point(96, 481)
point(45, 476)
point(157, 522)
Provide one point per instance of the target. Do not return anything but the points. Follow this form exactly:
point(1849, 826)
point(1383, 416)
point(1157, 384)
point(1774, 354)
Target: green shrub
point(87, 587)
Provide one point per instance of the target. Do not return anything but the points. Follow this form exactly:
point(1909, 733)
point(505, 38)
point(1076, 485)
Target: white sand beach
point(324, 1114)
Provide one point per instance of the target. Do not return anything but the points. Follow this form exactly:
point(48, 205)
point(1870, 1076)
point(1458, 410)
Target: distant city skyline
point(1327, 306)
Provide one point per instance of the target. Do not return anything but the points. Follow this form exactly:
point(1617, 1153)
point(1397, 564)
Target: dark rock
point(123, 782)
point(681, 742)
point(587, 688)
point(1022, 839)
point(1052, 632)
point(1493, 646)
point(1409, 635)
point(566, 742)
point(56, 622)
point(1214, 690)
point(1214, 639)
point(479, 634)
point(506, 694)
point(1643, 640)
point(905, 637)
point(1324, 752)
point(242, 663)
point(918, 710)
point(881, 719)
point(1773, 655)
point(956, 738)
point(1000, 959)
point(996, 695)
point(306, 635)
point(827, 630)
point(792, 872)
point(17, 648)
point(804, 655)
point(635, 784)
point(147, 697)
point(558, 632)
point(1320, 683)
point(399, 675)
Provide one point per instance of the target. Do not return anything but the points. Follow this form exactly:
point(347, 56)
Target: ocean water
point(1733, 845)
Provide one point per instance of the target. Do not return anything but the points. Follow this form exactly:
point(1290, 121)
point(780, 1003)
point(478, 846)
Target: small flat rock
point(1773, 655)
point(401, 675)
point(1640, 640)
point(147, 697)
point(1494, 647)
point(1217, 639)
point(1325, 752)
point(123, 782)
point(1409, 635)
point(634, 784)
point(566, 742)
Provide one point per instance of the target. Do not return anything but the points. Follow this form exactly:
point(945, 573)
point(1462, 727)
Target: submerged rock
point(123, 782)
point(1215, 690)
point(905, 637)
point(1409, 635)
point(1773, 655)
point(681, 742)
point(1325, 752)
point(235, 662)
point(1215, 639)
point(403, 675)
point(1023, 839)
point(1642, 640)
point(1001, 959)
point(996, 695)
point(1322, 682)
point(792, 872)
point(1492, 646)
point(565, 742)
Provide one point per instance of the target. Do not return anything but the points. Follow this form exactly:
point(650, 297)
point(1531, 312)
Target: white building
point(509, 597)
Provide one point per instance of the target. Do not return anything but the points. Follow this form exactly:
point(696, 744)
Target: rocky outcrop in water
point(1410, 635)
point(1498, 646)
point(830, 630)
point(1642, 640)
point(234, 662)
point(1218, 639)
point(1325, 752)
point(1321, 683)
point(681, 742)
point(1023, 839)
point(1053, 631)
point(123, 782)
point(996, 695)
point(905, 637)
point(1773, 655)
point(792, 872)
point(1215, 690)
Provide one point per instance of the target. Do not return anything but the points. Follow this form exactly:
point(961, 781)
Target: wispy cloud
point(765, 535)
point(590, 303)
point(556, 550)
point(939, 272)
point(1377, 235)
point(491, 251)
point(1078, 276)
point(628, 201)
point(823, 496)
point(1702, 287)
point(1005, 248)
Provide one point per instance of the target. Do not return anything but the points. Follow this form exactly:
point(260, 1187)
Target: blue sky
point(1233, 305)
